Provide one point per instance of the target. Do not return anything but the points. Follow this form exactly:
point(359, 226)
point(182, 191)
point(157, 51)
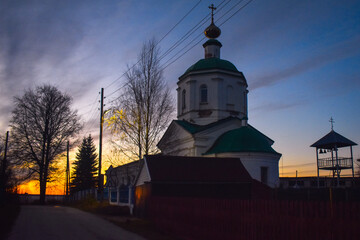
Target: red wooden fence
point(255, 219)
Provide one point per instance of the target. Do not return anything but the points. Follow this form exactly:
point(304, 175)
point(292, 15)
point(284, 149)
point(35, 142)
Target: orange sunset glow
point(32, 187)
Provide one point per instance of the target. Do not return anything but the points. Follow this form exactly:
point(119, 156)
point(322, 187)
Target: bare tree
point(41, 123)
point(145, 106)
point(115, 157)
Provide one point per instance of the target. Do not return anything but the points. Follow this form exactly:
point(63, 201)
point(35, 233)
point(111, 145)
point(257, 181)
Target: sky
point(301, 59)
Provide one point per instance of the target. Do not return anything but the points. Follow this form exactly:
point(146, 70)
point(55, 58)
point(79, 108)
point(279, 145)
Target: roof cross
point(212, 12)
point(332, 123)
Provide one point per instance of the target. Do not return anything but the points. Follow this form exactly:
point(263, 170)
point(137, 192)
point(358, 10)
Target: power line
point(187, 35)
point(183, 52)
point(236, 12)
point(91, 104)
point(184, 37)
point(157, 42)
point(191, 31)
point(92, 115)
point(175, 45)
point(232, 8)
point(180, 20)
point(242, 7)
point(94, 110)
point(92, 123)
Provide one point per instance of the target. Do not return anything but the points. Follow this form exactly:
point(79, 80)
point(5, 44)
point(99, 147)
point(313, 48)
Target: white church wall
point(253, 163)
point(183, 146)
point(177, 142)
point(218, 103)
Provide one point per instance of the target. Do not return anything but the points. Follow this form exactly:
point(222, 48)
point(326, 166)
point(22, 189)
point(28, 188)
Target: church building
point(212, 113)
point(211, 149)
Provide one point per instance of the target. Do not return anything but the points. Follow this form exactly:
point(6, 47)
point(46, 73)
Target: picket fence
point(208, 219)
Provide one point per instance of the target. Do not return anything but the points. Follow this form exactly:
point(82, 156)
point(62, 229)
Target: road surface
point(55, 222)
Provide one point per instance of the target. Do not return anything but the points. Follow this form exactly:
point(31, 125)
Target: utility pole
point(100, 184)
point(67, 170)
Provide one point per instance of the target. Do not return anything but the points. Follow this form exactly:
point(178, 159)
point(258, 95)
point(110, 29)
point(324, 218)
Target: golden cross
point(212, 12)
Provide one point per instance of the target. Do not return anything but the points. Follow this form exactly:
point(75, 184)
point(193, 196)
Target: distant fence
point(255, 219)
point(84, 194)
point(35, 198)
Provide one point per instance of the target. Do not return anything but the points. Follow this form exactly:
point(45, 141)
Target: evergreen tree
point(86, 166)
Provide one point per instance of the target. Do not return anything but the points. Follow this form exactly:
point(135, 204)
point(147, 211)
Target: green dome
point(244, 139)
point(211, 63)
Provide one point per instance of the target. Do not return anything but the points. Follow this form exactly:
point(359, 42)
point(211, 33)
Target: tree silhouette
point(42, 121)
point(7, 178)
point(85, 166)
point(144, 108)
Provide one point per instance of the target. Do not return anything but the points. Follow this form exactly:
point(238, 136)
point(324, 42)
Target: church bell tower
point(212, 89)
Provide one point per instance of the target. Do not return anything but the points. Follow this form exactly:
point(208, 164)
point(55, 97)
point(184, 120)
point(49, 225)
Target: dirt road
point(55, 222)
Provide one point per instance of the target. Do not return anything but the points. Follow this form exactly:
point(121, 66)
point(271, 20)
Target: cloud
point(33, 33)
point(276, 106)
point(35, 36)
point(334, 53)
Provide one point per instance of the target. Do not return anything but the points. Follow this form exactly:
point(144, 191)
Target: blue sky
point(301, 59)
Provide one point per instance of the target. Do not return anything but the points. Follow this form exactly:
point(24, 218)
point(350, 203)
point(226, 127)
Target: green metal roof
point(211, 63)
point(191, 128)
point(244, 139)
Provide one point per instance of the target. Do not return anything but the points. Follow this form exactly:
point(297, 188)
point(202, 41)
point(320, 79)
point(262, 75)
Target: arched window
point(229, 95)
point(183, 99)
point(203, 94)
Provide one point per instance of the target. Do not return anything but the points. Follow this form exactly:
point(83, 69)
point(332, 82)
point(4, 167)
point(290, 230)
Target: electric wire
point(158, 41)
point(242, 7)
point(164, 66)
point(92, 122)
point(180, 21)
point(91, 104)
point(193, 30)
point(184, 37)
point(169, 62)
point(175, 45)
point(232, 8)
point(93, 111)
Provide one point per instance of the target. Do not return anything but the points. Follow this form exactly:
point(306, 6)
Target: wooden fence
point(255, 219)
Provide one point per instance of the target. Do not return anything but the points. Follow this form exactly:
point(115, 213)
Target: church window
point(183, 99)
point(203, 93)
point(229, 95)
